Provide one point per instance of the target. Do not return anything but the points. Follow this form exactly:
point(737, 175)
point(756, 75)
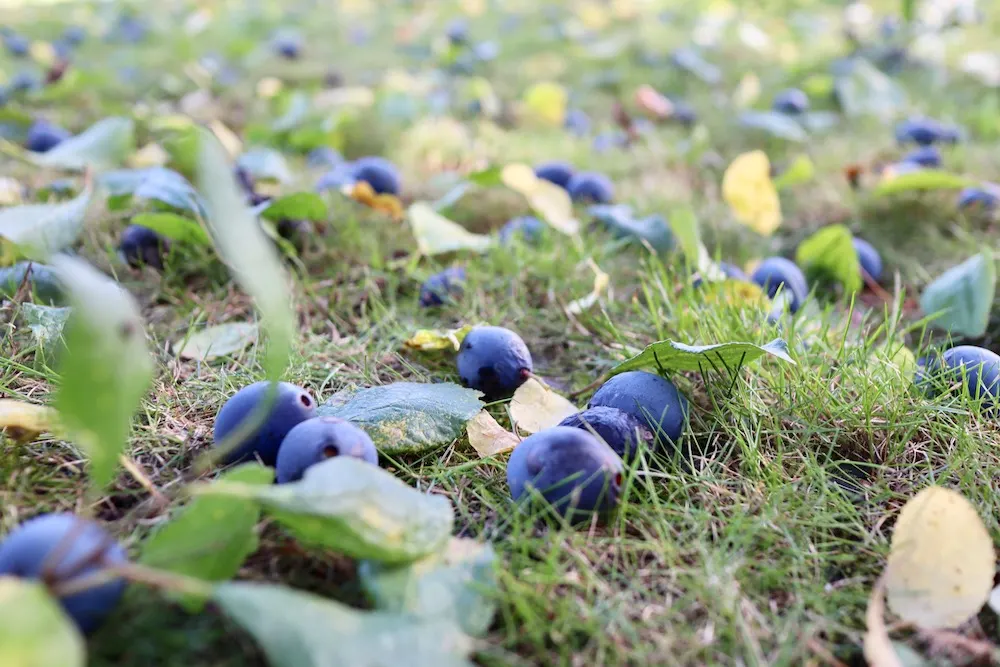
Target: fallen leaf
point(46, 322)
point(488, 437)
point(535, 407)
point(829, 254)
point(546, 102)
point(800, 171)
point(751, 195)
point(362, 192)
point(878, 648)
point(920, 180)
point(150, 155)
point(550, 201)
point(24, 422)
point(437, 234)
point(34, 629)
point(672, 356)
point(432, 340)
point(41, 229)
point(961, 298)
point(222, 340)
point(601, 282)
point(776, 124)
point(104, 145)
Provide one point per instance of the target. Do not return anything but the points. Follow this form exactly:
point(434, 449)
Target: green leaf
point(299, 629)
point(684, 225)
point(671, 356)
point(174, 227)
point(45, 322)
point(265, 164)
point(922, 180)
point(437, 234)
point(962, 296)
point(800, 171)
point(222, 340)
point(42, 281)
point(104, 145)
point(106, 369)
point(153, 184)
point(652, 229)
point(907, 9)
point(830, 254)
point(457, 583)
point(297, 206)
point(245, 248)
point(774, 123)
point(34, 630)
point(38, 230)
point(212, 536)
point(354, 508)
point(487, 178)
point(407, 416)
point(295, 113)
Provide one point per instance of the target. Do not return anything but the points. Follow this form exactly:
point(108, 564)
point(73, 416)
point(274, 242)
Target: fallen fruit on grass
point(16, 45)
point(986, 195)
point(141, 246)
point(577, 122)
point(494, 361)
point(791, 101)
point(591, 187)
point(976, 368)
point(869, 258)
point(528, 227)
point(926, 131)
point(379, 173)
point(730, 271)
point(318, 439)
point(925, 156)
point(574, 471)
point(43, 136)
point(556, 172)
point(651, 399)
point(457, 30)
point(621, 431)
point(287, 46)
point(61, 549)
point(776, 273)
point(443, 287)
point(292, 405)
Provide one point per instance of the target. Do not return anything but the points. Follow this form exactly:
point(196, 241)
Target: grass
point(757, 543)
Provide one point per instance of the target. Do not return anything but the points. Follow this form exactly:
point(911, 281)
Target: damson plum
point(574, 471)
point(925, 156)
point(141, 246)
point(43, 136)
point(379, 173)
point(776, 273)
point(442, 287)
point(791, 101)
point(986, 196)
point(578, 123)
point(591, 187)
point(620, 430)
point(926, 131)
point(292, 406)
point(494, 361)
point(528, 227)
point(318, 439)
point(61, 549)
point(651, 399)
point(977, 368)
point(869, 258)
point(731, 271)
point(559, 173)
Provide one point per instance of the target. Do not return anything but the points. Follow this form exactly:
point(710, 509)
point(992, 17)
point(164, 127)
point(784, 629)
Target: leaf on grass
point(150, 155)
point(921, 180)
point(104, 145)
point(24, 422)
point(962, 296)
point(211, 537)
point(106, 369)
point(486, 178)
point(433, 340)
point(407, 416)
point(941, 560)
point(736, 293)
point(265, 164)
point(39, 230)
point(299, 629)
point(296, 110)
point(354, 508)
point(364, 193)
point(42, 281)
point(829, 254)
point(878, 648)
point(222, 340)
point(747, 188)
point(671, 356)
point(34, 630)
point(800, 171)
point(437, 234)
point(174, 227)
point(152, 184)
point(619, 218)
point(297, 206)
point(45, 322)
point(601, 282)
point(551, 202)
point(457, 583)
point(546, 101)
point(774, 123)
point(535, 407)
point(488, 437)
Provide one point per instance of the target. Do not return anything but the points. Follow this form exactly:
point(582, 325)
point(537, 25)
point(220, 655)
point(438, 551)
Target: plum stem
point(138, 574)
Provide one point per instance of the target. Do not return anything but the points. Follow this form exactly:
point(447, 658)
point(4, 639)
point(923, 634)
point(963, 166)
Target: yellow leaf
point(941, 560)
point(268, 87)
point(747, 188)
point(601, 282)
point(735, 293)
point(10, 191)
point(535, 407)
point(437, 234)
point(878, 647)
point(488, 437)
point(42, 53)
point(546, 102)
point(519, 177)
point(549, 200)
point(430, 340)
point(150, 155)
point(227, 138)
point(23, 422)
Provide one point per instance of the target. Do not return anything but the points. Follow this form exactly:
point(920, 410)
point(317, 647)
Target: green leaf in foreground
point(38, 230)
point(174, 227)
point(212, 536)
point(672, 356)
point(106, 369)
point(437, 234)
point(265, 164)
point(354, 508)
point(245, 248)
point(297, 206)
point(962, 296)
point(829, 254)
point(34, 630)
point(457, 583)
point(218, 341)
point(103, 145)
point(45, 322)
point(407, 416)
point(922, 180)
point(800, 171)
point(299, 629)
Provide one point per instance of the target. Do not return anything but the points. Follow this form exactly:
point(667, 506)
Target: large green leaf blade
point(922, 180)
point(354, 508)
point(830, 254)
point(34, 630)
point(38, 230)
point(407, 416)
point(669, 355)
point(962, 296)
point(104, 145)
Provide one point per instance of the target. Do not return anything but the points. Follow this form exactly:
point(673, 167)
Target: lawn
point(758, 539)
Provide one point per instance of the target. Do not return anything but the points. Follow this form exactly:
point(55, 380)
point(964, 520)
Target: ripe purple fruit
point(140, 246)
point(869, 258)
point(777, 272)
point(977, 367)
point(621, 431)
point(379, 173)
point(318, 439)
point(651, 399)
point(574, 471)
point(443, 287)
point(292, 406)
point(926, 131)
point(527, 227)
point(63, 548)
point(494, 361)
point(43, 136)
point(986, 195)
point(557, 172)
point(591, 187)
point(791, 101)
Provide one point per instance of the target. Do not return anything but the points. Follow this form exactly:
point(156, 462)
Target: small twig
point(141, 477)
point(593, 385)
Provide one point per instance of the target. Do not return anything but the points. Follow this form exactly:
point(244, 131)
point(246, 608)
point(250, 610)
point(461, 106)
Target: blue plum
point(443, 287)
point(494, 361)
point(457, 30)
point(287, 45)
point(74, 35)
point(777, 272)
point(977, 367)
point(339, 175)
point(683, 113)
point(986, 195)
point(324, 156)
point(620, 430)
point(578, 123)
point(649, 398)
point(379, 173)
point(556, 172)
point(64, 548)
point(574, 471)
point(16, 45)
point(318, 439)
point(731, 271)
point(43, 136)
point(140, 246)
point(925, 156)
point(292, 406)
point(591, 187)
point(528, 227)
point(926, 131)
point(791, 101)
point(869, 258)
